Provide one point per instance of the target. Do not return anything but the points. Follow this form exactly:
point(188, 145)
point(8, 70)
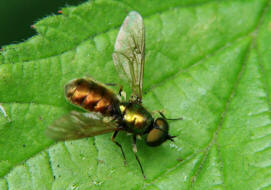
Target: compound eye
point(159, 133)
point(156, 137)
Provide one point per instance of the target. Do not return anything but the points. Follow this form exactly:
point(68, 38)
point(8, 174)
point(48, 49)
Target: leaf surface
point(207, 61)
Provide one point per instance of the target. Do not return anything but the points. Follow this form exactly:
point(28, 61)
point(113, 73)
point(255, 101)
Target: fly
point(106, 112)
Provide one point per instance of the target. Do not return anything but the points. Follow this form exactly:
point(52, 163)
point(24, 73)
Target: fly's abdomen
point(91, 96)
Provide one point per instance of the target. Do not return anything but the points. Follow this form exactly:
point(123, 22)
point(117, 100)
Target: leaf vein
point(261, 67)
point(187, 159)
point(233, 91)
point(50, 167)
point(221, 122)
point(27, 167)
point(6, 180)
point(65, 147)
point(197, 61)
point(97, 150)
point(214, 139)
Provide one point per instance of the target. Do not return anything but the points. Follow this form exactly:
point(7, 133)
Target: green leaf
point(207, 61)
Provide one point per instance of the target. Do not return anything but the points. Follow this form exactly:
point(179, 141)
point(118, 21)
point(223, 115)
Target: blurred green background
point(17, 16)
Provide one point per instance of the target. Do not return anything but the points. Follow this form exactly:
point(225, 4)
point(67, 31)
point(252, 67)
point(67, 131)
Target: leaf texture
point(207, 61)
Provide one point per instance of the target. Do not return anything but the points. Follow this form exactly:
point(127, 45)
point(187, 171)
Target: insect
point(107, 113)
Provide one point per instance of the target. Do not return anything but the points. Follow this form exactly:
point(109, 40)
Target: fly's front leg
point(122, 93)
point(163, 116)
point(135, 151)
point(119, 145)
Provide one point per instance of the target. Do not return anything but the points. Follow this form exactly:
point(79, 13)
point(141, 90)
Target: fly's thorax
point(92, 96)
point(136, 118)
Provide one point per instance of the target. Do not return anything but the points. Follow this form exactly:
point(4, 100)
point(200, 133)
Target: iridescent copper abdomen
point(92, 96)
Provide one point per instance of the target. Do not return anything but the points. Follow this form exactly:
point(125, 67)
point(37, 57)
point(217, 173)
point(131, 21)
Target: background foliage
point(206, 60)
point(16, 17)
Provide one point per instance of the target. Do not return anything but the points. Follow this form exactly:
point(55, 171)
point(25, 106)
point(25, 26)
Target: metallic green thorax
point(136, 118)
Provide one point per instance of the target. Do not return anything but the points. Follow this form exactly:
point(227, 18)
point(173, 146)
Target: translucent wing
point(129, 52)
point(76, 125)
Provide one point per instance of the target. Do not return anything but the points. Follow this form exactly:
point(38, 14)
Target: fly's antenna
point(169, 137)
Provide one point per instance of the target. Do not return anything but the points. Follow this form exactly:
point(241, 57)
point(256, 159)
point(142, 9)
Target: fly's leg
point(119, 145)
point(163, 116)
point(135, 151)
point(122, 93)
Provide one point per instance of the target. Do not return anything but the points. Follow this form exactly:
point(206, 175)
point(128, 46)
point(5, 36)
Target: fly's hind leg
point(135, 151)
point(119, 145)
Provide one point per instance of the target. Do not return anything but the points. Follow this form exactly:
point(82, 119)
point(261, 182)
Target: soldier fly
point(107, 113)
